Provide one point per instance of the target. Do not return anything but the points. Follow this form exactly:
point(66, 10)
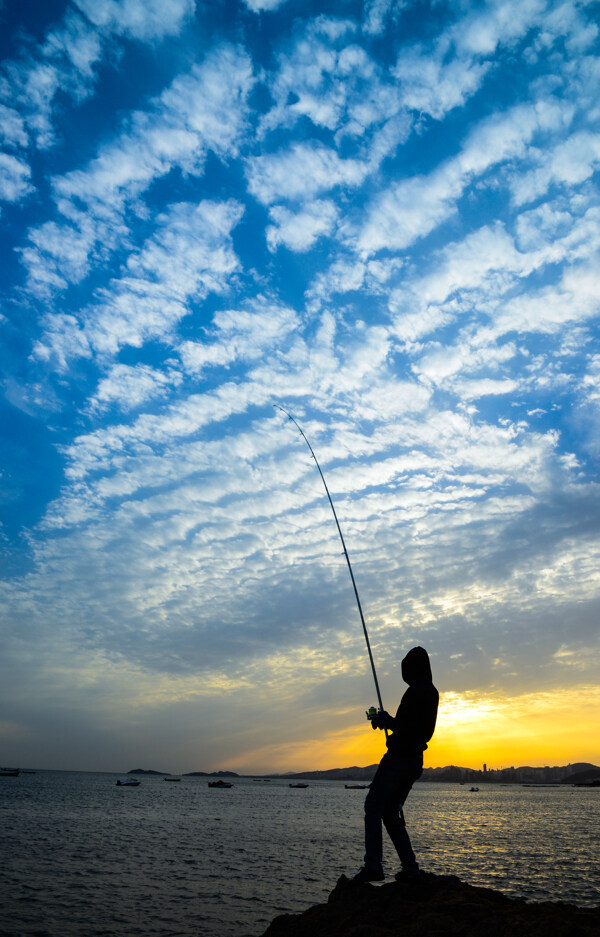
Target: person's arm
point(393, 723)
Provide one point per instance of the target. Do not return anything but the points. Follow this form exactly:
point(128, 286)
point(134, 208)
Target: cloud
point(439, 363)
point(300, 172)
point(183, 511)
point(64, 63)
point(349, 274)
point(466, 275)
point(409, 211)
point(334, 83)
point(129, 387)
point(299, 231)
point(14, 178)
point(439, 76)
point(411, 208)
point(376, 13)
point(501, 22)
point(257, 6)
point(189, 256)
point(241, 335)
point(138, 19)
point(483, 284)
point(12, 127)
point(202, 110)
point(566, 20)
point(58, 254)
point(548, 310)
point(78, 49)
point(431, 86)
point(62, 341)
point(570, 163)
point(330, 81)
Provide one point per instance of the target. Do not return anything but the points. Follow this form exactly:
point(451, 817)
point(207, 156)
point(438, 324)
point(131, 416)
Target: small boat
point(220, 783)
point(128, 782)
point(298, 785)
point(356, 787)
point(8, 773)
point(171, 779)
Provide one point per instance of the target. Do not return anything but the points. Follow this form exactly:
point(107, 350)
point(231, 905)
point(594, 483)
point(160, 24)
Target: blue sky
point(384, 217)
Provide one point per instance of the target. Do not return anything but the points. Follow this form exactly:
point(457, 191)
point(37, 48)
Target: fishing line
point(362, 617)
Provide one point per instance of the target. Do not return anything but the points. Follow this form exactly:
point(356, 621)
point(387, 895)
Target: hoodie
point(414, 723)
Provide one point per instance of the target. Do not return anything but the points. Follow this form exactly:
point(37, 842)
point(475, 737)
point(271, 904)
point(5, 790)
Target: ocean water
point(82, 857)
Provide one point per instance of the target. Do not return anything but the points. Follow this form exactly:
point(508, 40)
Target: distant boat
point(128, 782)
point(220, 783)
point(298, 785)
point(356, 787)
point(9, 773)
point(171, 779)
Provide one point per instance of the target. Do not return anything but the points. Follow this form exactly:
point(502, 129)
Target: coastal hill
point(439, 905)
point(571, 773)
point(190, 774)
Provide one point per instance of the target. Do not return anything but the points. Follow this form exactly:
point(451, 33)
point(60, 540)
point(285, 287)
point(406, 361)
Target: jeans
point(389, 789)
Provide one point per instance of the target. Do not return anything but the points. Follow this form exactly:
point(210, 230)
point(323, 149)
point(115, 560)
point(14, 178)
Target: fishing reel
point(371, 715)
point(378, 718)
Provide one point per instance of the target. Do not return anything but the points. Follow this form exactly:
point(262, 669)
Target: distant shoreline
point(583, 773)
point(578, 773)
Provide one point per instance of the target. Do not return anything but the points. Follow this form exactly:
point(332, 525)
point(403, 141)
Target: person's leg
point(396, 829)
point(375, 803)
point(393, 815)
point(388, 791)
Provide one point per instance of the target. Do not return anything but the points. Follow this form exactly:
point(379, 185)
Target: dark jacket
point(414, 722)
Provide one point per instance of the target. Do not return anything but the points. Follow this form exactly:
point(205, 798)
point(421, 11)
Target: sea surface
point(82, 857)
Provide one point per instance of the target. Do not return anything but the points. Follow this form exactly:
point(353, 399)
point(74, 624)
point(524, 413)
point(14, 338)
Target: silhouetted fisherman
point(400, 767)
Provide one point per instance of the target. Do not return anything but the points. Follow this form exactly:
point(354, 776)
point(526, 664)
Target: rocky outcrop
point(211, 774)
point(434, 906)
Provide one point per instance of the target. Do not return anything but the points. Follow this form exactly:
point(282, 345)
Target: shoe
point(407, 875)
point(368, 875)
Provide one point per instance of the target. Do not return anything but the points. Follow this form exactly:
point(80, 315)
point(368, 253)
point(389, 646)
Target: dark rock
point(433, 906)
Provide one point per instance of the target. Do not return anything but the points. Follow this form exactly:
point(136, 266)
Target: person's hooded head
point(416, 667)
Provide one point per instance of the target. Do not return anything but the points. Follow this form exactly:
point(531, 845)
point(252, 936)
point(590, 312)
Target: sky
point(383, 217)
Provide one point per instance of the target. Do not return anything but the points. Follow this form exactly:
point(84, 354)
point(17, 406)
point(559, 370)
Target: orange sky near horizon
point(552, 728)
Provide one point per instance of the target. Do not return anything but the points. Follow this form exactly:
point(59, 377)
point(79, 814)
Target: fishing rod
point(362, 617)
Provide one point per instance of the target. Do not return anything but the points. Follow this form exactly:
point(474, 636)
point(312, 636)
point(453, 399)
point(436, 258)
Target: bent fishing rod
point(362, 617)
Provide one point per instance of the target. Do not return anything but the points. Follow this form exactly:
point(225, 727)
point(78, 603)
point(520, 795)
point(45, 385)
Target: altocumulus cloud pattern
point(383, 216)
